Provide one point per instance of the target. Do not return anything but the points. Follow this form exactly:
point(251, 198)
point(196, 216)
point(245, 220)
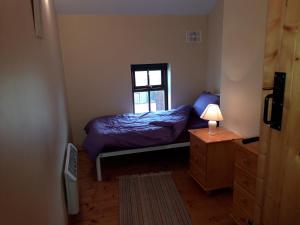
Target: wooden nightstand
point(212, 158)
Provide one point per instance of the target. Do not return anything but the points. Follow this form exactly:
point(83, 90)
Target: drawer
point(197, 174)
point(198, 161)
point(244, 200)
point(245, 180)
point(246, 160)
point(241, 217)
point(197, 146)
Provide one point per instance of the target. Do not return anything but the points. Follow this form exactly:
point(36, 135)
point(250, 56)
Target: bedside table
point(212, 158)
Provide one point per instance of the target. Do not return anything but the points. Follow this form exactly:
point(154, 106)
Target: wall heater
point(71, 179)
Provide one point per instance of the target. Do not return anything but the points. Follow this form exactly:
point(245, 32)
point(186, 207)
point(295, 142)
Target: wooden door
point(278, 183)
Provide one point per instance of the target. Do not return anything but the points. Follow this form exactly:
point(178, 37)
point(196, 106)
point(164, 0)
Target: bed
point(129, 133)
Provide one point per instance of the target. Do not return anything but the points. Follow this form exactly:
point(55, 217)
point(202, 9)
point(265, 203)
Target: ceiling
point(134, 6)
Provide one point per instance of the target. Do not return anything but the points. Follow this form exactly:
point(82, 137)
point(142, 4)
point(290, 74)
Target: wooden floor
point(99, 200)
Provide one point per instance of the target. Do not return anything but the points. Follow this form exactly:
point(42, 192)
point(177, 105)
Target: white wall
point(214, 47)
point(98, 51)
point(33, 124)
point(242, 64)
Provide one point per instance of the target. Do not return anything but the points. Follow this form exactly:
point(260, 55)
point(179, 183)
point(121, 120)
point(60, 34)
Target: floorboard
point(99, 200)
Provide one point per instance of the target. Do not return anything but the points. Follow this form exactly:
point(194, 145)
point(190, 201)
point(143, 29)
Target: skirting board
point(134, 151)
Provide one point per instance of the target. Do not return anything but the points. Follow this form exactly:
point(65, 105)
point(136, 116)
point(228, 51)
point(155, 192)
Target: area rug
point(151, 199)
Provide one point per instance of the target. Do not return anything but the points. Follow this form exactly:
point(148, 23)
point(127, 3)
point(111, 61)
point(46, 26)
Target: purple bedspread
point(135, 130)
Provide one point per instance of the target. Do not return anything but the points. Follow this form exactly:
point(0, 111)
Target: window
point(149, 87)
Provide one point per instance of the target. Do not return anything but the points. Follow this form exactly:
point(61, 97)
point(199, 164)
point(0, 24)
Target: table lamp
point(213, 114)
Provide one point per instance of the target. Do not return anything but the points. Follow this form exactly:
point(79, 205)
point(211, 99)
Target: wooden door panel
point(281, 205)
point(273, 40)
point(290, 198)
point(270, 149)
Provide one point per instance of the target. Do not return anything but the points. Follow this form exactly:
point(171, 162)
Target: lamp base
point(212, 125)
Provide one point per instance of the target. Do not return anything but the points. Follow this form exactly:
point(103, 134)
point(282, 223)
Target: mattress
point(129, 131)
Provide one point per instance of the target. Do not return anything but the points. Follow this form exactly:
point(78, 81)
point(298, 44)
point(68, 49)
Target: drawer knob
point(250, 222)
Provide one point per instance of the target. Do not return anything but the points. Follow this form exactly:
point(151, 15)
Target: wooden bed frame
point(134, 151)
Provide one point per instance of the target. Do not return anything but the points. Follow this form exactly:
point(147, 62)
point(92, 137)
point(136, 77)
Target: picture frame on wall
point(37, 18)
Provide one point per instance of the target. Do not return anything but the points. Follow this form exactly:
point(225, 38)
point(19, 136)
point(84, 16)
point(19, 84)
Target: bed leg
point(98, 167)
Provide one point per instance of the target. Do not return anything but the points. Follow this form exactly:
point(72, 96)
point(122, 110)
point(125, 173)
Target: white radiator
point(71, 179)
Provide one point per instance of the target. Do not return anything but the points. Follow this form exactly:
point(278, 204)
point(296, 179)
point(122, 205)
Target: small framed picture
point(37, 18)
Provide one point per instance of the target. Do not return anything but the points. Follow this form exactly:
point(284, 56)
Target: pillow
point(203, 100)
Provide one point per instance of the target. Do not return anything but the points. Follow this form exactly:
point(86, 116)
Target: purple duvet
point(135, 130)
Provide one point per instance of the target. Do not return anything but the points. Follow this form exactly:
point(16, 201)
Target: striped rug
point(151, 199)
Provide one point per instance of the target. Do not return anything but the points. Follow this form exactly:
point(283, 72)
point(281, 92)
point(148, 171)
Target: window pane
point(141, 78)
point(155, 77)
point(157, 99)
point(141, 102)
